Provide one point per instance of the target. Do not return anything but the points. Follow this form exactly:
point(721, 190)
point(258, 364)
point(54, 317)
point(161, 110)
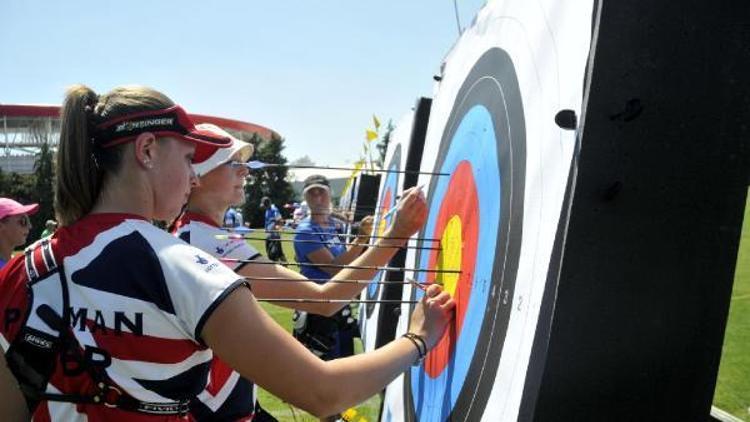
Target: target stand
point(653, 217)
point(378, 320)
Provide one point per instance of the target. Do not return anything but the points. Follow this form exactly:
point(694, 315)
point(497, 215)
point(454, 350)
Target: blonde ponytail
point(78, 178)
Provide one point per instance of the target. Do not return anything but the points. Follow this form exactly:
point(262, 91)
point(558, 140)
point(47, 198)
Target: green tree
point(44, 175)
point(270, 182)
point(19, 187)
point(382, 145)
point(3, 183)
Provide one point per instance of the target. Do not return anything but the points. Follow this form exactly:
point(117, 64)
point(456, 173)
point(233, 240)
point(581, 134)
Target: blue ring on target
point(390, 184)
point(474, 141)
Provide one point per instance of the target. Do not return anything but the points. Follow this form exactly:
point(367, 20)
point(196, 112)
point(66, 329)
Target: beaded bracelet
point(420, 344)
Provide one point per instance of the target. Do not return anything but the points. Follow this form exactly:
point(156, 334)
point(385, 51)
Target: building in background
point(25, 127)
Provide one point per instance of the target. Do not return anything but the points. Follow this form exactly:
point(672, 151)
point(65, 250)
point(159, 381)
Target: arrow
point(259, 165)
point(293, 300)
point(341, 281)
point(354, 267)
point(318, 242)
point(247, 230)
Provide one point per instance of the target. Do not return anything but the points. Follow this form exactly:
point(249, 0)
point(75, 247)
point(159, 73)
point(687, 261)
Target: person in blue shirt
point(271, 214)
point(273, 224)
point(317, 242)
point(231, 219)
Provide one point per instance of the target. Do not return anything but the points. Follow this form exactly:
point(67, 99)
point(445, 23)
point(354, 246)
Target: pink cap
point(10, 207)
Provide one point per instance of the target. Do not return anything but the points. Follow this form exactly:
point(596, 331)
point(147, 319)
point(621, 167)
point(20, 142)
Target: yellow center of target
point(381, 227)
point(451, 245)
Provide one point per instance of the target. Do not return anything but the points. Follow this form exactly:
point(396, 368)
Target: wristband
point(420, 344)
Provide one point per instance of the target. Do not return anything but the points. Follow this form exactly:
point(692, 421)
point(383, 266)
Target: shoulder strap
point(39, 260)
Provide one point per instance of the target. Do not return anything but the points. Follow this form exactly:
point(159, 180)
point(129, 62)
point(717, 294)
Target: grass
point(367, 411)
point(732, 392)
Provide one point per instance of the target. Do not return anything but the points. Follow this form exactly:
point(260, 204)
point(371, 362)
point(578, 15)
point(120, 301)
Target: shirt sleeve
point(306, 242)
point(204, 237)
point(198, 283)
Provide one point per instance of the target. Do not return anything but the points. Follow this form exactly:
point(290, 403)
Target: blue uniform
point(316, 237)
point(271, 215)
point(333, 337)
point(231, 218)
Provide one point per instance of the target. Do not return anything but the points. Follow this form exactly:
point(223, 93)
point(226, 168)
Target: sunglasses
point(236, 164)
point(23, 221)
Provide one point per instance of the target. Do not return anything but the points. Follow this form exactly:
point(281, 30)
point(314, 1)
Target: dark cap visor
point(170, 122)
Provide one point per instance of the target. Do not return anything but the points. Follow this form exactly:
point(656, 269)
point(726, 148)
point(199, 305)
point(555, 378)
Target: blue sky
point(314, 71)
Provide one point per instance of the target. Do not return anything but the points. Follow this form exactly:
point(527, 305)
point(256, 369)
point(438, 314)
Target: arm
point(411, 216)
point(323, 256)
point(273, 359)
point(279, 289)
point(12, 405)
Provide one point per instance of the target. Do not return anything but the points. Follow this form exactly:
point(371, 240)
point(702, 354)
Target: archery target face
point(492, 128)
point(476, 211)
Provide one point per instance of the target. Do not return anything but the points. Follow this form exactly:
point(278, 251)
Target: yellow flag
point(376, 122)
point(371, 135)
point(357, 168)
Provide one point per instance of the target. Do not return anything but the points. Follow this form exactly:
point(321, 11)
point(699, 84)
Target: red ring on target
point(462, 202)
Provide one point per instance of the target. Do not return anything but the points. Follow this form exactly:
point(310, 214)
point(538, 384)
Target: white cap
point(222, 155)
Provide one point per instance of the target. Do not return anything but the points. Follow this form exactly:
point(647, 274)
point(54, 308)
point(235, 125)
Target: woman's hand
point(365, 230)
point(411, 214)
point(432, 315)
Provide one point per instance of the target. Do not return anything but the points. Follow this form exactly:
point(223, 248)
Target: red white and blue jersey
point(228, 396)
point(136, 292)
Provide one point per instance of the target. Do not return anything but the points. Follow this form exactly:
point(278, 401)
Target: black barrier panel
point(648, 259)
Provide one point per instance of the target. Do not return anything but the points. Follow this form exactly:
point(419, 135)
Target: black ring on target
point(467, 378)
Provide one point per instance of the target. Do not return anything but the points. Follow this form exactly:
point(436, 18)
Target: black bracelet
point(420, 344)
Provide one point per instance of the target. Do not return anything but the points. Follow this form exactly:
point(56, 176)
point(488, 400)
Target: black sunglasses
point(23, 221)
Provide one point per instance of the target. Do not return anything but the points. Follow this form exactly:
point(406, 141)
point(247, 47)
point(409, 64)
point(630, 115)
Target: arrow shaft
point(317, 242)
point(292, 166)
point(424, 239)
point(354, 267)
point(354, 301)
point(323, 280)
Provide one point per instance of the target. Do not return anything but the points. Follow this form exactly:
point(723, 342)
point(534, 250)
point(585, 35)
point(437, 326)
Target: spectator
point(14, 226)
point(273, 224)
point(271, 215)
point(49, 228)
point(317, 242)
point(231, 219)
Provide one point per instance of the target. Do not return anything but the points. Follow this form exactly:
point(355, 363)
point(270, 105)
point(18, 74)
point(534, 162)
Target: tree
point(305, 160)
point(18, 187)
point(44, 175)
point(271, 182)
point(382, 145)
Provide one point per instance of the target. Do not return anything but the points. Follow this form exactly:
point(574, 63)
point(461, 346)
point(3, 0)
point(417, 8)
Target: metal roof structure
point(25, 127)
